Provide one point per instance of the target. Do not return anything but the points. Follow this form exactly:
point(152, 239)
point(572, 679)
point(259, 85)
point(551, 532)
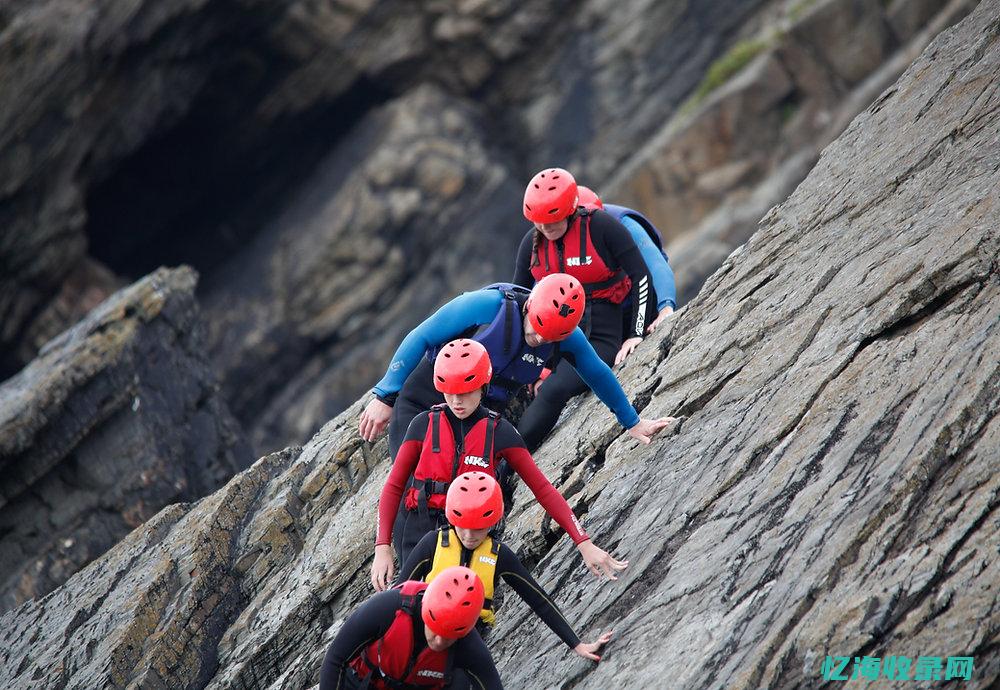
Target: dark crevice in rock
point(775, 511)
point(916, 319)
point(690, 407)
point(750, 293)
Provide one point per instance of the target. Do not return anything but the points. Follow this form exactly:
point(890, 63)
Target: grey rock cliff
point(832, 491)
point(114, 420)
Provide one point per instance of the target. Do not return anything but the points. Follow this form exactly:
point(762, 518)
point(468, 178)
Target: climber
point(448, 440)
point(521, 330)
point(597, 250)
point(650, 243)
point(473, 507)
point(382, 644)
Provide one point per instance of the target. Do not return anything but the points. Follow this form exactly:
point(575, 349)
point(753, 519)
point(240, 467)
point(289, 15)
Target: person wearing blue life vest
point(650, 243)
point(521, 330)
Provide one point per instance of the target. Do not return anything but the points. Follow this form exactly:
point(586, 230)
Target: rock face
point(734, 152)
point(832, 491)
point(116, 419)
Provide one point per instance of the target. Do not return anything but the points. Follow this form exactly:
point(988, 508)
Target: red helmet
point(452, 602)
point(550, 196)
point(474, 501)
point(555, 306)
point(462, 366)
point(589, 198)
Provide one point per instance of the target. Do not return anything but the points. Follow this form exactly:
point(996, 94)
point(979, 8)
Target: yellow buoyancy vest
point(483, 561)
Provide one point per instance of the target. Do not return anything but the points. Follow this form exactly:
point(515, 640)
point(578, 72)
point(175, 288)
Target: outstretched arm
point(517, 576)
point(598, 560)
point(465, 311)
point(447, 323)
point(599, 377)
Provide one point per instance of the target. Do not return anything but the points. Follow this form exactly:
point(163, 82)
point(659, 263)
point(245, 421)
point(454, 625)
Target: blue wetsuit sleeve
point(465, 311)
point(599, 377)
point(659, 267)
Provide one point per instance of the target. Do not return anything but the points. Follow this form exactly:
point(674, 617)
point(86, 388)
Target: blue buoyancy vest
point(515, 363)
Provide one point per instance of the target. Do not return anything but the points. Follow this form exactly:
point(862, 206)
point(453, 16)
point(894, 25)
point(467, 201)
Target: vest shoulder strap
point(437, 412)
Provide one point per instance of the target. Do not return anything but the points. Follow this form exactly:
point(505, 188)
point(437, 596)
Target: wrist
point(385, 398)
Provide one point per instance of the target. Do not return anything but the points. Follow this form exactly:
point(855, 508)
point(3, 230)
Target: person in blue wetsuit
point(647, 238)
point(521, 331)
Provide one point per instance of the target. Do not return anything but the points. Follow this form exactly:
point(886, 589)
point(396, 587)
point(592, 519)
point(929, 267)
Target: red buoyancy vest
point(390, 659)
point(580, 259)
point(441, 459)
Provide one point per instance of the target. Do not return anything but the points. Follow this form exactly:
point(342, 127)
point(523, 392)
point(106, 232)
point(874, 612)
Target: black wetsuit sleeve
point(420, 560)
point(522, 263)
point(616, 247)
point(369, 622)
point(517, 576)
point(472, 656)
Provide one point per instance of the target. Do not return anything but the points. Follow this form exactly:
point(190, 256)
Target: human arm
point(512, 449)
point(517, 576)
point(597, 560)
point(474, 658)
point(605, 385)
point(599, 377)
point(659, 267)
point(522, 261)
point(369, 622)
point(447, 323)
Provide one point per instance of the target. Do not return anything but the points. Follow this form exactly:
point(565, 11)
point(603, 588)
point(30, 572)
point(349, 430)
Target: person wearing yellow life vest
point(473, 507)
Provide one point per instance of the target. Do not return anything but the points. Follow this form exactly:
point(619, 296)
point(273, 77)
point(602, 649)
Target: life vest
point(515, 363)
point(390, 662)
point(619, 212)
point(442, 458)
point(574, 253)
point(483, 561)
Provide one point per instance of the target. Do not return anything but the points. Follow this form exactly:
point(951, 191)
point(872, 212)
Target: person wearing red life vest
point(474, 506)
point(648, 239)
point(415, 636)
point(448, 440)
point(594, 248)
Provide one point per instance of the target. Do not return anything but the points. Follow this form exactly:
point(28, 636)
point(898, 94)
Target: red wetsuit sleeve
point(553, 502)
point(392, 491)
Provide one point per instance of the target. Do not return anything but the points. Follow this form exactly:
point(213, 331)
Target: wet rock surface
point(116, 419)
point(832, 489)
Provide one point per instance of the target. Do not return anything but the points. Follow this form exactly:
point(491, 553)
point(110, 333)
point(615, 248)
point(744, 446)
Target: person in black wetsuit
point(473, 508)
point(414, 637)
point(597, 250)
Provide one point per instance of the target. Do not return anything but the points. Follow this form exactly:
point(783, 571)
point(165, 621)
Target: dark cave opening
point(199, 191)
